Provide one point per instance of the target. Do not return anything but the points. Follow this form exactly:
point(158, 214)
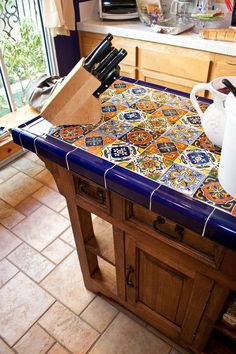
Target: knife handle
point(98, 53)
point(105, 62)
point(108, 80)
point(120, 55)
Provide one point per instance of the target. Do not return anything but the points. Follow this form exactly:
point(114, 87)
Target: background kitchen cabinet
point(166, 65)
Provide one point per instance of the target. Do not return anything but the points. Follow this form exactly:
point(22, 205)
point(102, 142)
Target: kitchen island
point(150, 172)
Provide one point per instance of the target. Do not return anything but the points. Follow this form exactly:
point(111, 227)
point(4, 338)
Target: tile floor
point(45, 307)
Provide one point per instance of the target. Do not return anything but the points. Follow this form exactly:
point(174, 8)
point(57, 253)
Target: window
point(27, 50)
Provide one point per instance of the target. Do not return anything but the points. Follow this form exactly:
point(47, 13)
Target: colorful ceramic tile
point(172, 114)
point(200, 159)
point(192, 120)
point(133, 116)
point(161, 97)
point(157, 122)
point(139, 91)
point(146, 105)
point(139, 137)
point(120, 152)
point(182, 179)
point(106, 95)
point(114, 128)
point(94, 142)
point(151, 166)
point(68, 133)
point(211, 192)
point(120, 86)
point(203, 142)
point(183, 133)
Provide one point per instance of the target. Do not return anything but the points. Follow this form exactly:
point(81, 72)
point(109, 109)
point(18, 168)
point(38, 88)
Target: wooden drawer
point(181, 237)
point(8, 148)
point(88, 41)
point(182, 62)
point(92, 192)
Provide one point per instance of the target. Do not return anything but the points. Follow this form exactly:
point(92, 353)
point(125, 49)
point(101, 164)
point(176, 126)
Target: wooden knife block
point(73, 102)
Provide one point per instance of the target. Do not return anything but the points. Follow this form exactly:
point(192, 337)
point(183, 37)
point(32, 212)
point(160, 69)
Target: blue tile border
point(130, 185)
point(221, 227)
point(180, 208)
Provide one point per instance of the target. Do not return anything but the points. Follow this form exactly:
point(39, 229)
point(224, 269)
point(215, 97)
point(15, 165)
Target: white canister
point(227, 168)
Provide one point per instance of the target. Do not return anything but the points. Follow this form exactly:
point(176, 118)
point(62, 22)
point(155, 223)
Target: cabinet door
point(163, 289)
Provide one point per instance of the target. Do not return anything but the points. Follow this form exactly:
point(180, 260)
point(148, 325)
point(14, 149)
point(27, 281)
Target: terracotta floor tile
point(8, 242)
point(33, 157)
point(57, 251)
point(4, 349)
point(28, 205)
point(7, 271)
point(7, 172)
point(27, 166)
point(46, 178)
point(22, 303)
point(57, 349)
point(41, 227)
point(73, 333)
point(9, 216)
point(99, 314)
point(17, 188)
point(68, 237)
point(49, 197)
point(65, 212)
point(35, 341)
point(126, 336)
point(31, 262)
point(65, 283)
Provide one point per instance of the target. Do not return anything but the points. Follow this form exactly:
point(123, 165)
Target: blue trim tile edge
point(24, 139)
point(30, 121)
point(130, 185)
point(221, 228)
point(181, 209)
point(128, 79)
point(53, 149)
point(88, 165)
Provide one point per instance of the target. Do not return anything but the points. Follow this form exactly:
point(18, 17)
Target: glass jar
point(153, 11)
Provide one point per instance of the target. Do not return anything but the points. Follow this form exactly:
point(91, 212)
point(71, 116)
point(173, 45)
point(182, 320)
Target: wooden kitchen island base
point(171, 277)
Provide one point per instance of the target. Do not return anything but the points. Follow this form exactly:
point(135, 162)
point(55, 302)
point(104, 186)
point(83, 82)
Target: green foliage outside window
point(23, 56)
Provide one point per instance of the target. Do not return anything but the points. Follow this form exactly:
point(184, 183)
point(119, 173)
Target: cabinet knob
point(100, 196)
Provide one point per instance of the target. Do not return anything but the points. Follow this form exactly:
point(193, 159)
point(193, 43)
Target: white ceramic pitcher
point(214, 118)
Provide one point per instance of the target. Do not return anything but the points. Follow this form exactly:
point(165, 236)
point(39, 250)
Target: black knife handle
point(105, 62)
point(98, 53)
point(120, 55)
point(108, 80)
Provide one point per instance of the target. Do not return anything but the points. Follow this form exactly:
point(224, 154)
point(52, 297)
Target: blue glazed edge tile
point(221, 228)
point(180, 208)
point(30, 121)
point(130, 185)
point(149, 84)
point(128, 79)
point(16, 135)
point(88, 165)
point(24, 139)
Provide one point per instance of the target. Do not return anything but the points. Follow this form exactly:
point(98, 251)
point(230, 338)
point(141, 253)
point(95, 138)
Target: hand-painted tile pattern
point(156, 134)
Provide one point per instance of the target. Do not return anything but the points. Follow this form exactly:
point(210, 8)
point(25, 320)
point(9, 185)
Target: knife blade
point(105, 62)
point(115, 61)
point(98, 53)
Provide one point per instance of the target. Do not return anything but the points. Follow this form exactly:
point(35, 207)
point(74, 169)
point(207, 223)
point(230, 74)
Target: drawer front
point(175, 61)
point(202, 248)
point(91, 192)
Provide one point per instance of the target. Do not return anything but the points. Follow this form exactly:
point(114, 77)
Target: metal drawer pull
point(82, 186)
point(100, 196)
point(179, 230)
point(129, 281)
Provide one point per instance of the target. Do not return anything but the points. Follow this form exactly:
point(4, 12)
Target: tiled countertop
point(137, 30)
point(149, 147)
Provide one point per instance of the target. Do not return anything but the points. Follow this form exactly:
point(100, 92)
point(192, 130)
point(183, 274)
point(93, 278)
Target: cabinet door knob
point(82, 186)
point(179, 230)
point(100, 196)
point(129, 281)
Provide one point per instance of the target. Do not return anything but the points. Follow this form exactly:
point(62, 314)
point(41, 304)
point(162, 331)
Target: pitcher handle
point(197, 88)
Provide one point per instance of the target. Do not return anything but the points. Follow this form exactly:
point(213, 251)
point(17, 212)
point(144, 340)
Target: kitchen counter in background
point(137, 30)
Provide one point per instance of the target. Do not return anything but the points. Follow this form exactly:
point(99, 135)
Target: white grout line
point(20, 140)
point(105, 181)
point(205, 225)
point(66, 157)
point(150, 200)
point(35, 148)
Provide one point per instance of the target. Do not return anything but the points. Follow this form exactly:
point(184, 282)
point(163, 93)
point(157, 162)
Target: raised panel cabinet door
point(172, 299)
